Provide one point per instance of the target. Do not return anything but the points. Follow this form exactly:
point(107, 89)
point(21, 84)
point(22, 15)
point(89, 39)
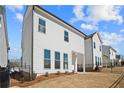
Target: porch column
point(75, 63)
point(84, 63)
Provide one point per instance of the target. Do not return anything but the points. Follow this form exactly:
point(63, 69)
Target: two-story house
point(49, 44)
point(93, 51)
point(119, 59)
point(109, 55)
point(4, 46)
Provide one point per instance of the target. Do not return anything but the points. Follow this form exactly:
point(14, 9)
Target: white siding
point(53, 40)
point(27, 40)
point(96, 51)
point(3, 41)
point(112, 55)
point(91, 52)
point(88, 51)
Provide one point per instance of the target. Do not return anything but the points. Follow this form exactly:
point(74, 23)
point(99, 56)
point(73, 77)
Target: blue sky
point(108, 20)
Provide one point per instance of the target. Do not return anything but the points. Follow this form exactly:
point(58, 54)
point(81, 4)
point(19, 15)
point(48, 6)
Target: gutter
point(32, 45)
point(92, 52)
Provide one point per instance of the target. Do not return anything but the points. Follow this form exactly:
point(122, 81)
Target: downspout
point(6, 34)
point(32, 46)
point(84, 68)
point(92, 53)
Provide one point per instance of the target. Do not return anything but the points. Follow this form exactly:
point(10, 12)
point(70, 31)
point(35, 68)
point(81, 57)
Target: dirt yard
point(121, 85)
point(115, 70)
point(82, 80)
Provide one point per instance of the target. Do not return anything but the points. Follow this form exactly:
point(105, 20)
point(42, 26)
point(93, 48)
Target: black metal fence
point(22, 73)
point(4, 78)
point(88, 67)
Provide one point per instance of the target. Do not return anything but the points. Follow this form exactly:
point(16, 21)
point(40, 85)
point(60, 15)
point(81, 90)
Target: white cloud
point(14, 49)
point(111, 38)
point(97, 13)
point(89, 26)
point(19, 17)
point(79, 14)
point(122, 30)
point(15, 7)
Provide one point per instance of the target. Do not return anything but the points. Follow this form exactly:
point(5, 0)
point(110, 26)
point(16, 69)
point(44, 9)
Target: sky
point(107, 20)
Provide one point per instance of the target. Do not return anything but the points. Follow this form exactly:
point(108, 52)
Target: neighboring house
point(49, 44)
point(119, 60)
point(4, 46)
point(93, 51)
point(109, 56)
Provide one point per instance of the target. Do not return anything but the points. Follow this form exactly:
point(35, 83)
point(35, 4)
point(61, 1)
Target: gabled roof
point(110, 47)
point(59, 19)
point(91, 35)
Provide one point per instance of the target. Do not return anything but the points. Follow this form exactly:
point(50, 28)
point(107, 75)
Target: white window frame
point(48, 59)
point(41, 26)
point(57, 60)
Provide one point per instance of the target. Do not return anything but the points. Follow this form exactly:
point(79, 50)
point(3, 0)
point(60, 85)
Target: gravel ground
point(87, 80)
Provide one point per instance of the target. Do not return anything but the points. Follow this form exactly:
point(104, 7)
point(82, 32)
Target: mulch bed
point(38, 79)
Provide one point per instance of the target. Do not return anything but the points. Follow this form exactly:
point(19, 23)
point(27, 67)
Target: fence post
point(111, 67)
point(29, 73)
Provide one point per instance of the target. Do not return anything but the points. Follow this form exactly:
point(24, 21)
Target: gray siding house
point(109, 55)
point(4, 46)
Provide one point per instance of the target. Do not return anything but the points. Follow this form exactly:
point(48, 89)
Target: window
point(96, 60)
point(66, 36)
point(42, 26)
point(94, 44)
point(57, 60)
point(100, 48)
point(0, 18)
point(0, 21)
point(100, 62)
point(109, 52)
point(65, 64)
point(47, 59)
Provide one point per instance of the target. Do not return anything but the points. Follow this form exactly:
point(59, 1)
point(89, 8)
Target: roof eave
point(84, 35)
